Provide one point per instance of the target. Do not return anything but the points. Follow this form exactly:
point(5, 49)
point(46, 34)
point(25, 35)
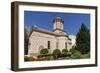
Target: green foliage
point(29, 58)
point(72, 50)
point(75, 54)
point(56, 52)
point(44, 51)
point(26, 59)
point(86, 56)
point(26, 39)
point(83, 40)
point(64, 51)
point(75, 57)
point(26, 51)
point(78, 55)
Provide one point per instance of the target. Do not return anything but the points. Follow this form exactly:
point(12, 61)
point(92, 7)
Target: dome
point(58, 19)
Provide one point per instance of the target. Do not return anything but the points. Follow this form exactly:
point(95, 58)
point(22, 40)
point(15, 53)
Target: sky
point(72, 21)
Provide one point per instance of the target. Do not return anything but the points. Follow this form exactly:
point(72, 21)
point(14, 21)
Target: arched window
point(40, 48)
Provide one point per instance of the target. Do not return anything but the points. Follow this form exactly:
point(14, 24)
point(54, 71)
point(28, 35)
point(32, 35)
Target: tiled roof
point(48, 32)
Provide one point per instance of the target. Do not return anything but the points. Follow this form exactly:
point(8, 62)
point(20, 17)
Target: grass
point(78, 55)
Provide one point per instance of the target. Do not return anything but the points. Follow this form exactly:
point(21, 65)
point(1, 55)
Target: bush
point(73, 50)
point(75, 54)
point(56, 53)
point(64, 51)
point(29, 58)
point(44, 51)
point(86, 55)
point(26, 58)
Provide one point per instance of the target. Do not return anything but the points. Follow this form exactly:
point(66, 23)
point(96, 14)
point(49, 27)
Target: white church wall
point(38, 39)
point(62, 41)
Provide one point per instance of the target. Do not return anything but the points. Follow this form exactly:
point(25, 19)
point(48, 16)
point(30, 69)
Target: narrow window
point(56, 45)
point(48, 44)
point(66, 45)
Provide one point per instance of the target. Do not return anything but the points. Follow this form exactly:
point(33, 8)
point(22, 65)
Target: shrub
point(73, 50)
point(76, 54)
point(86, 55)
point(26, 58)
point(44, 51)
point(64, 51)
point(56, 53)
point(29, 58)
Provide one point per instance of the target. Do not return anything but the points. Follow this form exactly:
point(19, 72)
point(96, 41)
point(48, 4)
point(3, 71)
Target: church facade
point(57, 39)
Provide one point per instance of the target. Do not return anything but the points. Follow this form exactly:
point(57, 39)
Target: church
point(40, 38)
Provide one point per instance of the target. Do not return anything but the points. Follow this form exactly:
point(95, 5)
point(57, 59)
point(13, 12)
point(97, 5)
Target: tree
point(26, 39)
point(44, 51)
point(83, 40)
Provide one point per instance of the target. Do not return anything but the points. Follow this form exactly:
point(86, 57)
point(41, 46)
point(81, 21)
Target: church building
point(40, 38)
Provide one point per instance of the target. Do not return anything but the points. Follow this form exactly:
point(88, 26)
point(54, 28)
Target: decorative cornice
point(58, 29)
point(46, 32)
